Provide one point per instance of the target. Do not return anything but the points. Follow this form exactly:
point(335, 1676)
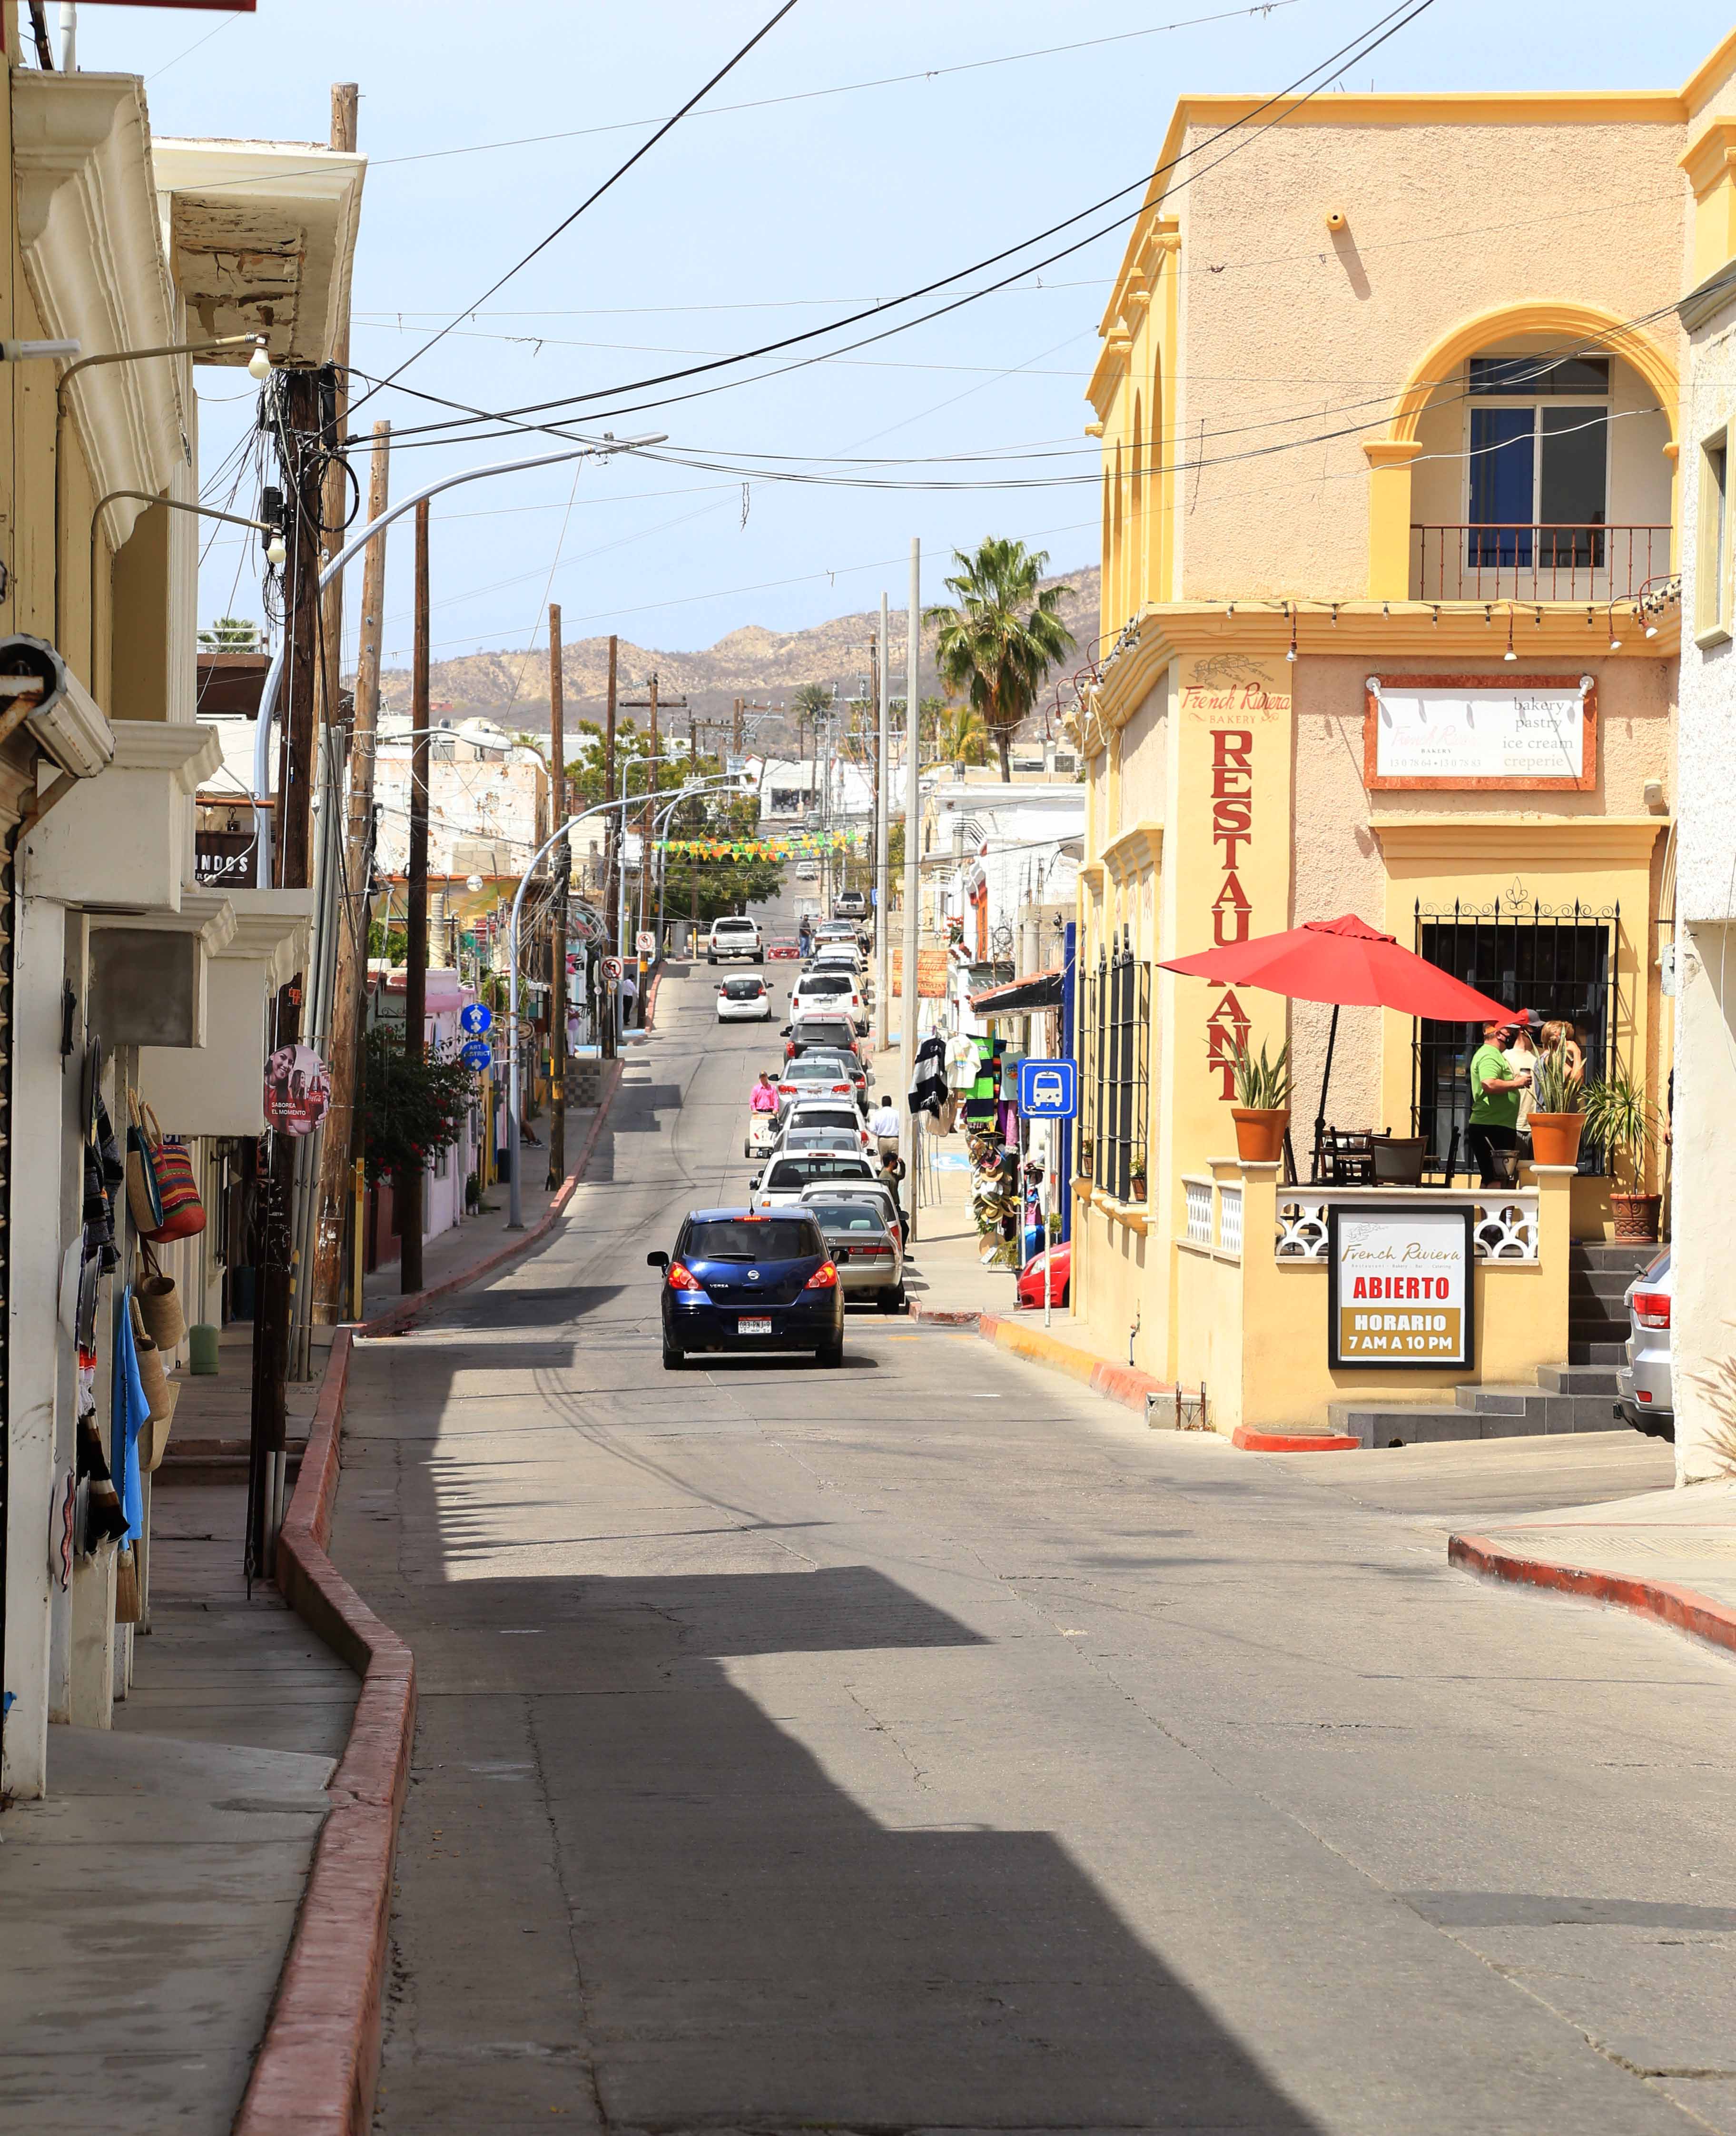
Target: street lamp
point(599, 449)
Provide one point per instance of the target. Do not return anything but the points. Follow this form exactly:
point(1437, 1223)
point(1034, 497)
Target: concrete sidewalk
point(150, 1898)
point(1669, 1555)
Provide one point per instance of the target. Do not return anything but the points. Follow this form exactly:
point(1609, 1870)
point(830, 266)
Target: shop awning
point(1027, 997)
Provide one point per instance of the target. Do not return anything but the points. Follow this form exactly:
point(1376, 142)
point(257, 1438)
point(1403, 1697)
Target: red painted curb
point(943, 1316)
point(1681, 1608)
point(398, 1319)
point(1286, 1442)
point(319, 2061)
point(651, 996)
point(1122, 1384)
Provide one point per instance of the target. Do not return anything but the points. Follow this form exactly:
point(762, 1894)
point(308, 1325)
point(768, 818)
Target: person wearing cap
point(1495, 1089)
point(1522, 1061)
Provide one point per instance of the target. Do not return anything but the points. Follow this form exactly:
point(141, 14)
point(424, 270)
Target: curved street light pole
point(597, 449)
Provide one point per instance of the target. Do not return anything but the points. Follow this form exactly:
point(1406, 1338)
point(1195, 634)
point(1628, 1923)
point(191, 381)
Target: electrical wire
point(1357, 49)
point(590, 200)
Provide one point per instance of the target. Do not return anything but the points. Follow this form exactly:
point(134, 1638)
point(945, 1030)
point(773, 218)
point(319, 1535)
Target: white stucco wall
point(1703, 1335)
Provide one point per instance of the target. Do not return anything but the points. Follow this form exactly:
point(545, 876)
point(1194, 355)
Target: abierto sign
point(1400, 1286)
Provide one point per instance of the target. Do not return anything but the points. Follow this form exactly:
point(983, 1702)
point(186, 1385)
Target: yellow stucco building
point(1389, 405)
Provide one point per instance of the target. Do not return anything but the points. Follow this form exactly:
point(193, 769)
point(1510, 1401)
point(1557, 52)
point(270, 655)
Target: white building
point(487, 799)
point(1013, 848)
point(1704, 1123)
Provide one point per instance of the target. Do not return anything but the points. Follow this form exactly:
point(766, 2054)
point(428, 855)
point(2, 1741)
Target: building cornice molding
point(1495, 838)
point(188, 753)
point(1134, 850)
point(91, 244)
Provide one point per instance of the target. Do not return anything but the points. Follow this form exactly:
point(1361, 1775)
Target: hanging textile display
point(928, 1077)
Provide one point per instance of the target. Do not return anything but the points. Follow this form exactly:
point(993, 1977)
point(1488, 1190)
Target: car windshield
point(733, 926)
point(820, 1138)
point(743, 1239)
point(826, 982)
point(790, 1173)
point(743, 989)
point(847, 1216)
point(825, 1038)
point(825, 1116)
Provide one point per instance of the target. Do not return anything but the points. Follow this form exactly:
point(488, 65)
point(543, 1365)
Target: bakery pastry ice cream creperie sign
point(1400, 1286)
point(1479, 730)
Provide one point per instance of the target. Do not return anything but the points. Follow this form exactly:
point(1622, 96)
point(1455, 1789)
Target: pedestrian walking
point(1495, 1091)
point(883, 1128)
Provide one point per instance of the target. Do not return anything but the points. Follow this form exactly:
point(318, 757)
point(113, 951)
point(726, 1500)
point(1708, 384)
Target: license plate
point(747, 1326)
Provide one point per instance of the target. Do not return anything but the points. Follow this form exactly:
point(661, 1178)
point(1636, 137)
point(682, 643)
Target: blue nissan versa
point(742, 1281)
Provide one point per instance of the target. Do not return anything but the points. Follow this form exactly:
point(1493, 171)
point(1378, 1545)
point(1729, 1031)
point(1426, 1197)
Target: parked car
point(851, 905)
point(1029, 1289)
point(735, 936)
point(812, 1077)
point(744, 1001)
point(807, 871)
point(783, 1179)
point(830, 1034)
point(1644, 1396)
point(864, 1244)
point(737, 1281)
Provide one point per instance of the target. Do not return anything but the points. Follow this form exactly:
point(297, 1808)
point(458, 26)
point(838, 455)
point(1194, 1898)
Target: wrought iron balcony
point(1539, 562)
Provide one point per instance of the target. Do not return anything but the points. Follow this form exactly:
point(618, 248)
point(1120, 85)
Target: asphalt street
point(929, 1745)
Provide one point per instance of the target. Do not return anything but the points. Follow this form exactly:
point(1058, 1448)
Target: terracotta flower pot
point(1636, 1216)
point(1555, 1137)
point(1260, 1134)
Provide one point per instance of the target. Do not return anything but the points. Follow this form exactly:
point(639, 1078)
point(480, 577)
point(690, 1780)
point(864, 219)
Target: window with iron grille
point(1556, 961)
point(1094, 996)
point(1126, 1077)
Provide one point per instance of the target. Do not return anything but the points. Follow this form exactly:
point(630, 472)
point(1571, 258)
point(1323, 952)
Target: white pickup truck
point(736, 936)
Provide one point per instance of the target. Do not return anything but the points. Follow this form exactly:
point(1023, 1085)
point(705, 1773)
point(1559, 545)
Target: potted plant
point(1084, 1162)
point(1137, 1182)
point(1263, 1113)
point(1620, 1116)
point(1557, 1115)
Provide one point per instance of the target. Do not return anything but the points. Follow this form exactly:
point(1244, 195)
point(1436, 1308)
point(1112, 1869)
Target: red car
point(1060, 1268)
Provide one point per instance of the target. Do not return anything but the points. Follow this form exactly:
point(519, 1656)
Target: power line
point(615, 176)
point(1357, 49)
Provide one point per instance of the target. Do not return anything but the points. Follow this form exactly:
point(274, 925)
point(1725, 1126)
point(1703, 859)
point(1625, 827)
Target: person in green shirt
point(1495, 1089)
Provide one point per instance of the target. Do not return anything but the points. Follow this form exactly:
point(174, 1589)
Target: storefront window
point(1558, 962)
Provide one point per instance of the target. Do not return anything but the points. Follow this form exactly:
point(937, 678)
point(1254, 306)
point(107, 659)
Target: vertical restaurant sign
point(1236, 696)
point(1400, 1284)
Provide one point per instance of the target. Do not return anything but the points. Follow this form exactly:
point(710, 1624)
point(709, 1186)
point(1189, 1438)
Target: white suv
point(736, 936)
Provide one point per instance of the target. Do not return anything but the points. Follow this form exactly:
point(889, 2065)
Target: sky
point(942, 144)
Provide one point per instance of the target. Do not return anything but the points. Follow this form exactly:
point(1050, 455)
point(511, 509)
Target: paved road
point(927, 1745)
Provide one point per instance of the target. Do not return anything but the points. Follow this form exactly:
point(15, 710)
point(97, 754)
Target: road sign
point(478, 1055)
point(646, 943)
point(611, 968)
point(474, 1018)
point(1049, 1090)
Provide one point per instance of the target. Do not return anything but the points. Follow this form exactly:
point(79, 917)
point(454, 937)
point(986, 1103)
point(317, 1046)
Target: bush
point(413, 1108)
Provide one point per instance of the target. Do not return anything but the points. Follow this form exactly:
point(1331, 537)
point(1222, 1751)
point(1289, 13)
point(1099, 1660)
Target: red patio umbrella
point(1349, 964)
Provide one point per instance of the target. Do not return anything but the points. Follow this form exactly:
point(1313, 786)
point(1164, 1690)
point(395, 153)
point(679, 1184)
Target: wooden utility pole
point(341, 1147)
point(562, 876)
point(303, 427)
point(611, 850)
point(335, 509)
point(653, 702)
point(408, 1195)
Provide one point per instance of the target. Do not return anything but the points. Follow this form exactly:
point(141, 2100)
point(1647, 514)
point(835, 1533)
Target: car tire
point(673, 1358)
point(894, 1301)
point(830, 1355)
point(1065, 1299)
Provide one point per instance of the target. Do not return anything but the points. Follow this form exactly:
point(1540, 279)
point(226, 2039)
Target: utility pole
point(913, 851)
point(882, 844)
point(408, 1195)
point(653, 702)
point(303, 430)
point(343, 1146)
point(563, 877)
point(612, 846)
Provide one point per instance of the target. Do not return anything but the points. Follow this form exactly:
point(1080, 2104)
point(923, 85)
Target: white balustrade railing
point(1199, 1211)
point(1505, 1228)
point(1229, 1220)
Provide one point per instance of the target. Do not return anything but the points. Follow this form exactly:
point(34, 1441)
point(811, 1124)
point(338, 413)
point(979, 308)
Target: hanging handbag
point(159, 1305)
point(128, 1602)
point(151, 1376)
point(177, 1189)
point(153, 1440)
point(144, 1193)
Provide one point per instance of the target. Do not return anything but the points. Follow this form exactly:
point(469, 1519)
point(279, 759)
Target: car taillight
point(840, 1090)
point(824, 1277)
point(1652, 1308)
point(682, 1279)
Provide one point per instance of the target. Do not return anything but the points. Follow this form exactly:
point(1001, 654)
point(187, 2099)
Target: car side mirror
point(658, 1261)
point(754, 1183)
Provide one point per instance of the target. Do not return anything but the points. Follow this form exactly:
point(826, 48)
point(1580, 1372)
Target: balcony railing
point(1540, 562)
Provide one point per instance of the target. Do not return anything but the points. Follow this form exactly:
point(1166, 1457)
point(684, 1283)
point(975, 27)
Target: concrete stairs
point(1577, 1396)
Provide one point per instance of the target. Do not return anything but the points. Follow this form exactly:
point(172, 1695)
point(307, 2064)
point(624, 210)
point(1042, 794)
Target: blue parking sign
point(474, 1018)
point(478, 1055)
point(1049, 1090)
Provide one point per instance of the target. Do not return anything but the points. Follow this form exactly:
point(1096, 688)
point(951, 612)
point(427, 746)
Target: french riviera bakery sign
point(1400, 1286)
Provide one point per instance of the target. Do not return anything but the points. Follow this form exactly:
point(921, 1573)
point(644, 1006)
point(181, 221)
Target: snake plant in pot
point(1557, 1118)
point(1262, 1113)
point(1620, 1116)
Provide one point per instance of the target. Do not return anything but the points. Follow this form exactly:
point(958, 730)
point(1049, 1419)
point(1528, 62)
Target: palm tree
point(232, 633)
point(962, 735)
point(1000, 639)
